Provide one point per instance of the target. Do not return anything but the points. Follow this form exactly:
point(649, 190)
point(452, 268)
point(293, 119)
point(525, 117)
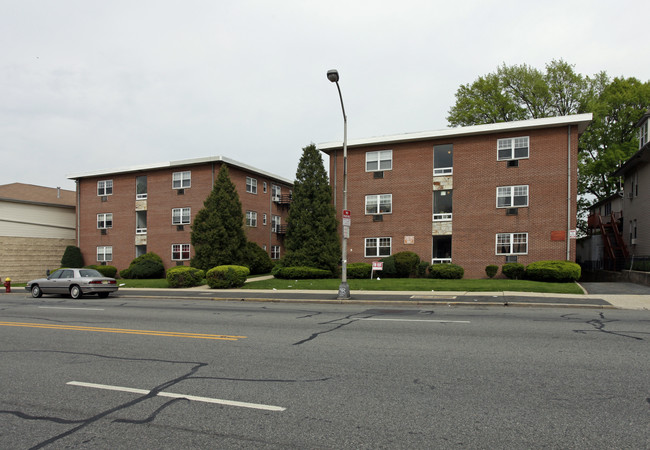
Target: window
point(512, 148)
point(140, 250)
point(264, 219)
point(378, 247)
point(181, 216)
point(379, 204)
point(181, 180)
point(442, 205)
point(512, 196)
point(180, 252)
point(264, 187)
point(275, 252)
point(104, 253)
point(251, 185)
point(275, 223)
point(381, 160)
point(105, 187)
point(251, 218)
point(443, 159)
point(512, 243)
point(276, 192)
point(643, 134)
point(141, 222)
point(105, 220)
point(141, 187)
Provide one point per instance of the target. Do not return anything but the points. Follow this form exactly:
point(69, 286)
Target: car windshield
point(86, 273)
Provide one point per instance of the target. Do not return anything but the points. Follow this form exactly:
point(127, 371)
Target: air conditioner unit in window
point(377, 218)
point(511, 258)
point(513, 163)
point(633, 241)
point(180, 228)
point(180, 191)
point(512, 211)
point(103, 231)
point(379, 174)
point(104, 198)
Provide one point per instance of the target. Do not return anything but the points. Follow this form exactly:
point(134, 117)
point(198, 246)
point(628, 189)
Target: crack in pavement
point(599, 325)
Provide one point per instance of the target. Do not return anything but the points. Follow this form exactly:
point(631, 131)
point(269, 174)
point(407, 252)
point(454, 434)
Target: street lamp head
point(333, 75)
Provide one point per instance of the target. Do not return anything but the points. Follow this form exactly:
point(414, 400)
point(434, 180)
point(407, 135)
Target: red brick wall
point(476, 219)
point(161, 198)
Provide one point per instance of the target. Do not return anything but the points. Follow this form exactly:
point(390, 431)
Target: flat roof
point(38, 195)
point(179, 163)
point(580, 120)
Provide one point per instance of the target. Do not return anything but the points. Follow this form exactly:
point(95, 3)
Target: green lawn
point(421, 284)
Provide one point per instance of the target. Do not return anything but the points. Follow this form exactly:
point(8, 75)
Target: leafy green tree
point(312, 239)
point(218, 231)
point(72, 257)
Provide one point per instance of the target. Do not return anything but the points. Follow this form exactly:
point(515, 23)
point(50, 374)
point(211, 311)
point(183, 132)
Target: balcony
point(282, 199)
point(280, 229)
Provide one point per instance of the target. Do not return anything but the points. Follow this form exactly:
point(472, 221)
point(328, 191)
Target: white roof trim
point(180, 163)
point(581, 120)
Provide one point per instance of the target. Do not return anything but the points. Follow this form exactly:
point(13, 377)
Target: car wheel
point(36, 291)
point(103, 294)
point(75, 291)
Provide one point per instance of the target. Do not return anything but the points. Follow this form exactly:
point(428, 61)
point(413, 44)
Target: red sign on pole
point(346, 213)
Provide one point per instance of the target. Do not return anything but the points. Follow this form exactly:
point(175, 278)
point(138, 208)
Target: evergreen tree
point(72, 257)
point(311, 238)
point(218, 231)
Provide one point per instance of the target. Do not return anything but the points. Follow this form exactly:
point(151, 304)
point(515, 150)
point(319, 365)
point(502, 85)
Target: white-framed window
point(443, 159)
point(276, 221)
point(104, 253)
point(104, 188)
point(181, 216)
point(251, 218)
point(442, 205)
point(141, 187)
point(380, 246)
point(643, 134)
point(275, 252)
point(512, 148)
point(276, 192)
point(512, 196)
point(182, 180)
point(379, 160)
point(512, 244)
point(180, 252)
point(141, 222)
point(251, 185)
point(104, 220)
point(264, 219)
point(379, 204)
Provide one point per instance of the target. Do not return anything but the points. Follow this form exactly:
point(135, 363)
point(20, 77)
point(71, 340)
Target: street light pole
point(344, 288)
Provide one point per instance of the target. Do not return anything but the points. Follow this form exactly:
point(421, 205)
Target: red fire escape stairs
point(615, 250)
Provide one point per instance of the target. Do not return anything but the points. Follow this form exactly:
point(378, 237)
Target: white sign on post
point(376, 265)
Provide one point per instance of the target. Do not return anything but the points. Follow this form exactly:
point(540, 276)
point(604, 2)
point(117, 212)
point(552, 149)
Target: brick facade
point(476, 220)
point(161, 198)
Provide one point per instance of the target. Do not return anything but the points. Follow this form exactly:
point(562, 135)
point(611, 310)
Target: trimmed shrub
point(359, 270)
point(422, 269)
point(553, 271)
point(300, 273)
point(72, 257)
point(389, 270)
point(446, 271)
point(257, 259)
point(107, 271)
point(184, 276)
point(491, 270)
point(406, 264)
point(514, 271)
point(225, 277)
point(147, 266)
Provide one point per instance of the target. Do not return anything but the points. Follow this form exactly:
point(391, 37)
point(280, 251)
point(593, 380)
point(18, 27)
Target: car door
point(64, 281)
point(48, 285)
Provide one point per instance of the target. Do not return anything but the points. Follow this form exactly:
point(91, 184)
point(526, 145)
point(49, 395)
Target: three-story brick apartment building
point(474, 196)
point(125, 213)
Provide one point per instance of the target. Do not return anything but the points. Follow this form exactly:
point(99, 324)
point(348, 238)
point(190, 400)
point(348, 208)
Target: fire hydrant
point(8, 285)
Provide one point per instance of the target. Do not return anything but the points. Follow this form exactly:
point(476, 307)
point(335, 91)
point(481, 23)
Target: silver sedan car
point(73, 282)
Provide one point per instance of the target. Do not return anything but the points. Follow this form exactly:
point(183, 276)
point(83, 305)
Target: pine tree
point(218, 234)
point(311, 238)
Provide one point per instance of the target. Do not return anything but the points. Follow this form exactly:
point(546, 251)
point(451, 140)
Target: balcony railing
point(282, 199)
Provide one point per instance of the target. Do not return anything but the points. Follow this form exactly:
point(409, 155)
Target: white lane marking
point(172, 395)
point(61, 307)
point(420, 320)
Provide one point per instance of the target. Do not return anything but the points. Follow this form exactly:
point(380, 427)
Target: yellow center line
point(123, 331)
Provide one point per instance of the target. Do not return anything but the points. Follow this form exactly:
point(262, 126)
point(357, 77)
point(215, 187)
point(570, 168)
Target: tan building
point(474, 196)
point(36, 225)
point(125, 213)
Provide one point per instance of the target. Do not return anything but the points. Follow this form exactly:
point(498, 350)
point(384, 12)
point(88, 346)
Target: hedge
point(514, 271)
point(300, 273)
point(406, 264)
point(146, 266)
point(224, 277)
point(446, 271)
point(107, 271)
point(184, 276)
point(491, 270)
point(553, 271)
point(359, 270)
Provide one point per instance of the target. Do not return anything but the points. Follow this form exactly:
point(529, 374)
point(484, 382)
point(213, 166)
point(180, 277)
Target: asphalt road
point(119, 373)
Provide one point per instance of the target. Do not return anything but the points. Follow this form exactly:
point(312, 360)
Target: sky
point(88, 85)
